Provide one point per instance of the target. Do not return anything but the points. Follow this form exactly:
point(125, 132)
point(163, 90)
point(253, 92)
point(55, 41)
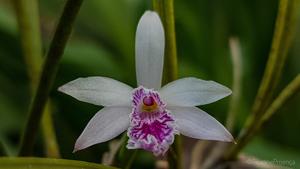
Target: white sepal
point(105, 125)
point(192, 92)
point(196, 123)
point(99, 91)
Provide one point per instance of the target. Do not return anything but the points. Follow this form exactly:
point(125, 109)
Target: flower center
point(148, 101)
point(149, 104)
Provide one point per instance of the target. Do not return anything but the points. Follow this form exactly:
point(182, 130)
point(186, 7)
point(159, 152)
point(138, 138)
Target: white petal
point(196, 123)
point(149, 48)
point(105, 125)
point(99, 91)
point(193, 92)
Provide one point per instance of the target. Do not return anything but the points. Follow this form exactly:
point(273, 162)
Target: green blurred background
point(102, 44)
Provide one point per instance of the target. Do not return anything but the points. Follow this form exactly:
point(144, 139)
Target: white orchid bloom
point(151, 115)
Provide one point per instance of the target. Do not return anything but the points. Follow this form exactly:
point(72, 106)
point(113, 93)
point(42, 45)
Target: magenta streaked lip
point(152, 129)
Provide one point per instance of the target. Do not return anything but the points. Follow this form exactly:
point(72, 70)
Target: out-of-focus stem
point(235, 50)
point(2, 149)
point(115, 146)
point(165, 8)
point(130, 161)
point(197, 157)
point(49, 70)
point(177, 162)
point(28, 21)
point(282, 39)
point(283, 35)
point(287, 93)
point(51, 145)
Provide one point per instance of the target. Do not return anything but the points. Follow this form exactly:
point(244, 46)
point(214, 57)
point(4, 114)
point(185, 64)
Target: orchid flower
point(151, 115)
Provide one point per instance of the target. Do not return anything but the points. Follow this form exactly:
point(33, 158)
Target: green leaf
point(46, 163)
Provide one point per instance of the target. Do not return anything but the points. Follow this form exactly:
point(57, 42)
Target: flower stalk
point(165, 8)
point(48, 75)
point(282, 39)
point(28, 21)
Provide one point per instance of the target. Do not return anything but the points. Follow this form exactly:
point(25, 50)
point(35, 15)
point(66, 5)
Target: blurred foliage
point(265, 150)
point(103, 44)
point(46, 163)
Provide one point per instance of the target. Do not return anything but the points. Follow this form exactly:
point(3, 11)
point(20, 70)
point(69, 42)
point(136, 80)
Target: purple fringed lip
point(152, 127)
